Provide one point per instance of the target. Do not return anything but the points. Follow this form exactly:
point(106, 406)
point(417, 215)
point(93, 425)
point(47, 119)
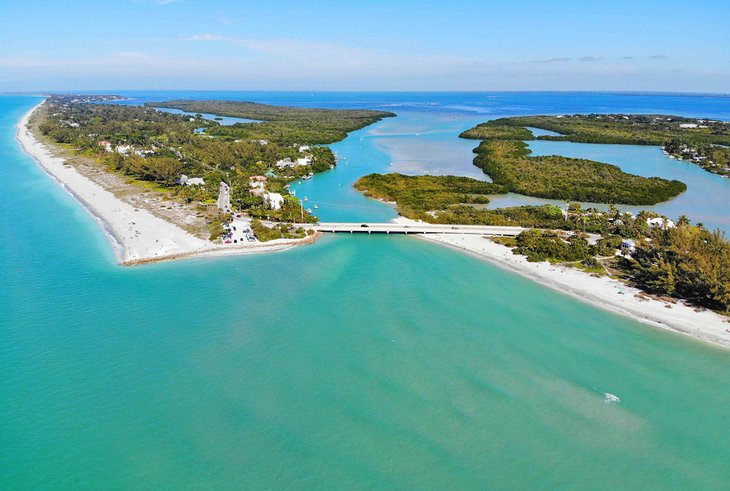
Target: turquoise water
point(707, 199)
point(358, 363)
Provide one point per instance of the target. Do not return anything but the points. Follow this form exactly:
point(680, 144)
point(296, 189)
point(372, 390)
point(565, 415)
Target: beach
point(602, 292)
point(136, 235)
point(140, 237)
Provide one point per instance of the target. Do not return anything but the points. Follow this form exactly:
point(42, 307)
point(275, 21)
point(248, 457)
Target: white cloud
point(551, 60)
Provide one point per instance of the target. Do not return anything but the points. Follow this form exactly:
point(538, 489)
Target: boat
point(305, 199)
point(315, 206)
point(309, 210)
point(609, 398)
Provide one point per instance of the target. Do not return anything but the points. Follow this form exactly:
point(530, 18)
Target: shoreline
point(601, 292)
point(138, 237)
point(135, 234)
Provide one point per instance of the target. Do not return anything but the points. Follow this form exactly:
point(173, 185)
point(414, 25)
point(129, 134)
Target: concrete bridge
point(411, 228)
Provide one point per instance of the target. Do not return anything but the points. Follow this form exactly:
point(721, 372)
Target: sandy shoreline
point(601, 292)
point(139, 237)
point(136, 235)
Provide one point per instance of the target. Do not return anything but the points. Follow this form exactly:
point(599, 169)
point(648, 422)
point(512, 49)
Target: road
point(420, 228)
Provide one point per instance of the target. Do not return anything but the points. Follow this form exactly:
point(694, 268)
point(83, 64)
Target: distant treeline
point(281, 124)
point(702, 141)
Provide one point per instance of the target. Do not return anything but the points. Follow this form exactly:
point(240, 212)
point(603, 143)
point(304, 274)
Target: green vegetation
point(508, 163)
point(281, 124)
point(701, 141)
point(418, 194)
point(539, 245)
point(279, 231)
point(490, 131)
point(684, 261)
point(155, 149)
point(687, 262)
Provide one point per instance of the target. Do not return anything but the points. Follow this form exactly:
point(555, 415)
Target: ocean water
point(358, 363)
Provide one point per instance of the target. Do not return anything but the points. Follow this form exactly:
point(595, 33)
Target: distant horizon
point(405, 46)
point(321, 91)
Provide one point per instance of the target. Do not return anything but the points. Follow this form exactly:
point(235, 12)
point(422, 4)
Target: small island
point(702, 141)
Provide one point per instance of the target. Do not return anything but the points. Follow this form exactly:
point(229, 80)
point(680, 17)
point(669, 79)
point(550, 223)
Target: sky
point(378, 45)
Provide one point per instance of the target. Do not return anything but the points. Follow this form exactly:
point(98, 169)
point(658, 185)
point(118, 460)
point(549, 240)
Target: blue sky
point(649, 45)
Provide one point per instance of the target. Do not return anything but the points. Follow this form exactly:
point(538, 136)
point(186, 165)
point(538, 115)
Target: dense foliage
point(160, 147)
point(540, 245)
point(687, 262)
point(416, 194)
point(278, 231)
point(509, 164)
point(701, 141)
point(281, 124)
point(491, 131)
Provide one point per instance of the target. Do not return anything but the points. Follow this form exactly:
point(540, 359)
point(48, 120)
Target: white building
point(660, 222)
point(256, 185)
point(283, 163)
point(688, 125)
point(191, 181)
point(304, 148)
point(273, 200)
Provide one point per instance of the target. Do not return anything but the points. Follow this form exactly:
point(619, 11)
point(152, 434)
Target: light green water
point(359, 362)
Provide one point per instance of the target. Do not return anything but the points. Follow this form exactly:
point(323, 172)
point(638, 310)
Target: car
point(364, 225)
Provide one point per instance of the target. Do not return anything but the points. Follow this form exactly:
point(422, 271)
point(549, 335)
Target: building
point(688, 125)
point(256, 185)
point(304, 148)
point(660, 222)
point(273, 200)
point(191, 181)
point(629, 245)
point(284, 163)
point(106, 145)
point(305, 161)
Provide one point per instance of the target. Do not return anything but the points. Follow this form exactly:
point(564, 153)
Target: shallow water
point(707, 199)
point(358, 362)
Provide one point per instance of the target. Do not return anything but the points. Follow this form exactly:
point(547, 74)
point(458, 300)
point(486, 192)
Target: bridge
point(411, 228)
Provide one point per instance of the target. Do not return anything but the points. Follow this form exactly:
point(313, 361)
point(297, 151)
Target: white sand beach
point(140, 237)
point(137, 235)
point(602, 292)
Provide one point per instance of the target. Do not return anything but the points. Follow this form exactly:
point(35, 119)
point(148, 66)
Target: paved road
point(420, 228)
point(224, 197)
